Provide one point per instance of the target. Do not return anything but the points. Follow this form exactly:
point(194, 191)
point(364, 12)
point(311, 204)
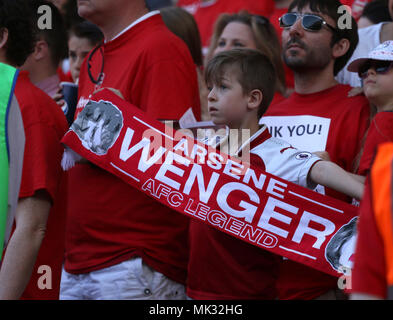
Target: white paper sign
point(306, 133)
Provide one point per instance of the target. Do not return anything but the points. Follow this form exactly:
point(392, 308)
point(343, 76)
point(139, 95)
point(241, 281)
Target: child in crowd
point(371, 266)
point(83, 37)
point(376, 72)
point(241, 85)
point(245, 30)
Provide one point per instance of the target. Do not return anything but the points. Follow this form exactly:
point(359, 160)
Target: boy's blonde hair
point(252, 69)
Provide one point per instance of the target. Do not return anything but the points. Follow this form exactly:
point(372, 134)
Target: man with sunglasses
point(121, 244)
point(318, 116)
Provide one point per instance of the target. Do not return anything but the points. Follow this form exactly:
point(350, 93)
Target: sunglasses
point(380, 67)
point(310, 22)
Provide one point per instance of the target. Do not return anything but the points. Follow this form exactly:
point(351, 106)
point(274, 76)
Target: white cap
point(383, 52)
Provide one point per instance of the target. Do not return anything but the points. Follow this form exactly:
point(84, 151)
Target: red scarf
point(205, 184)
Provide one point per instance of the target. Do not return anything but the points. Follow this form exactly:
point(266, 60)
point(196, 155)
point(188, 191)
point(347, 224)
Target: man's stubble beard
point(312, 60)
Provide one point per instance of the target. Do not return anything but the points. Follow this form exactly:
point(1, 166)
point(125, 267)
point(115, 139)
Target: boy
point(376, 72)
point(241, 84)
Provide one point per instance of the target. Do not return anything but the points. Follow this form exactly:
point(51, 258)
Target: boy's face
point(378, 87)
point(78, 48)
point(227, 103)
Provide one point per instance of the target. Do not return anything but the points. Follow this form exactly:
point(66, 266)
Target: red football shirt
point(110, 221)
point(380, 131)
point(326, 120)
point(45, 125)
point(189, 5)
point(368, 273)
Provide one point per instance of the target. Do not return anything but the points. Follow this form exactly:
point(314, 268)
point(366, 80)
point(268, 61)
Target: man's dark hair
point(56, 36)
point(252, 69)
point(331, 9)
point(14, 16)
point(377, 11)
point(87, 30)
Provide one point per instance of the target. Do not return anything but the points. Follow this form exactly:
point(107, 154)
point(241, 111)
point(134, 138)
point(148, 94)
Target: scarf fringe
point(69, 159)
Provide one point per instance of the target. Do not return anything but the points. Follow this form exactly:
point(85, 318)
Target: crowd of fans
point(271, 65)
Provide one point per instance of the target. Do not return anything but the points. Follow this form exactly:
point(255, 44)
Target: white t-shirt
point(273, 155)
point(369, 38)
point(280, 158)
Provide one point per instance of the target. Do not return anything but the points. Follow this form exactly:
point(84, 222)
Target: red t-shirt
point(45, 125)
point(326, 120)
point(380, 131)
point(368, 273)
point(66, 77)
point(110, 221)
point(277, 98)
point(189, 5)
point(208, 12)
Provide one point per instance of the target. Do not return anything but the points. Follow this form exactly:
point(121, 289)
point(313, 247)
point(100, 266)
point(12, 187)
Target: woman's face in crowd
point(235, 35)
